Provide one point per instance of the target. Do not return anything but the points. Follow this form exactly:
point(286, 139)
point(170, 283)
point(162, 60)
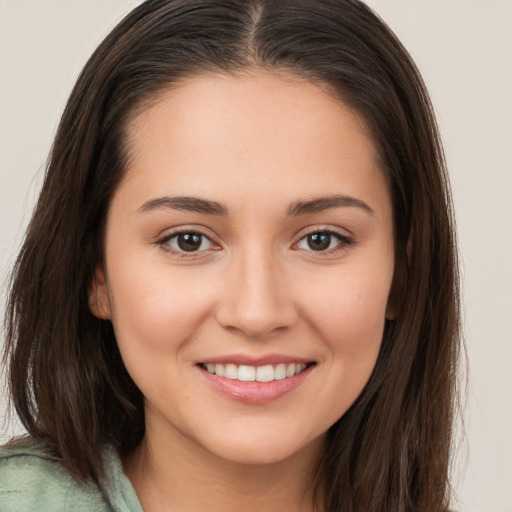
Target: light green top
point(30, 481)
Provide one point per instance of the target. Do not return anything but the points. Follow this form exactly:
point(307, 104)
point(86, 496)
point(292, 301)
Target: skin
point(256, 144)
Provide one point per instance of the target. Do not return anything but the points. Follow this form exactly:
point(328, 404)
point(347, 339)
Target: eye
point(323, 241)
point(189, 241)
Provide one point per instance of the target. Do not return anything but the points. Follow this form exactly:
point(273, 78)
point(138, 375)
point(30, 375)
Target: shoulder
point(31, 481)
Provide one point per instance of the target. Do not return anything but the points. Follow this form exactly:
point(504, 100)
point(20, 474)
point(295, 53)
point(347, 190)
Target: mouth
point(246, 373)
point(255, 384)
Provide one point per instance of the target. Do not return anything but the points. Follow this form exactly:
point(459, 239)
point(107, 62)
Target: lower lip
point(254, 392)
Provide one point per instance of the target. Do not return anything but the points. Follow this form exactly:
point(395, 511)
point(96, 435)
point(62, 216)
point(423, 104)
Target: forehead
point(257, 129)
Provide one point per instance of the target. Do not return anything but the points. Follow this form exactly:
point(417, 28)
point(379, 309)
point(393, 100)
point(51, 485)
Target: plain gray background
point(464, 50)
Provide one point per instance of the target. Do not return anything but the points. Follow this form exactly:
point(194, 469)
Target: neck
point(177, 476)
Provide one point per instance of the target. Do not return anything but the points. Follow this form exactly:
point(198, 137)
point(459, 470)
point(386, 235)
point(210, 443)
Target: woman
point(240, 276)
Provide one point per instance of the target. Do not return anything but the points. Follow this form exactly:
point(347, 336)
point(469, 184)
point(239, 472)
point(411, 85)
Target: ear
point(99, 302)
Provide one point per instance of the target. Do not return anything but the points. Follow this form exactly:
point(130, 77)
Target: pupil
point(319, 241)
point(189, 241)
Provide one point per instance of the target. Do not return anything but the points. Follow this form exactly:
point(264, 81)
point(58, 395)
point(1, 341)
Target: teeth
point(231, 371)
point(265, 373)
point(245, 373)
point(280, 372)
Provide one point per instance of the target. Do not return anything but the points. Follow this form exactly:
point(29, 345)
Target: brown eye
point(189, 242)
point(319, 241)
point(323, 241)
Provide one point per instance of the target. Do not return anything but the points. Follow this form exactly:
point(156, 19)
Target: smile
point(245, 373)
point(261, 382)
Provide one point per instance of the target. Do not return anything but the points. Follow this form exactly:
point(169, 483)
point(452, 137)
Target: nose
point(258, 299)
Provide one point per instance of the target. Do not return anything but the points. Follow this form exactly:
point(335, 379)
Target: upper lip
point(251, 360)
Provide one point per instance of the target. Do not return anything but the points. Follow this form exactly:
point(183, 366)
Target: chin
point(264, 449)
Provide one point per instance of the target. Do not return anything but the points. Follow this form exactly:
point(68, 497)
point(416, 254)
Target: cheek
point(155, 311)
point(350, 324)
point(154, 319)
point(349, 314)
point(351, 304)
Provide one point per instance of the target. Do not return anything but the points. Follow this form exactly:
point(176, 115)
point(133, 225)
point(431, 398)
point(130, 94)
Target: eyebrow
point(325, 203)
point(195, 204)
point(184, 203)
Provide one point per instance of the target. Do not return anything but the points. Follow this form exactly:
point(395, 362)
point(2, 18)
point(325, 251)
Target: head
point(389, 449)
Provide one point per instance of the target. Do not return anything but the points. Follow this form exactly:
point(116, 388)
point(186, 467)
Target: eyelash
point(344, 242)
point(164, 244)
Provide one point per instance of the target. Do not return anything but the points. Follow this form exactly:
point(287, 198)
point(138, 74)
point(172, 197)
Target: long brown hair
point(390, 451)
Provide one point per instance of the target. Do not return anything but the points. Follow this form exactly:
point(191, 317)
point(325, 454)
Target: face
point(248, 263)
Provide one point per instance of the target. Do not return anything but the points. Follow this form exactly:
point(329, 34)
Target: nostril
point(256, 322)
